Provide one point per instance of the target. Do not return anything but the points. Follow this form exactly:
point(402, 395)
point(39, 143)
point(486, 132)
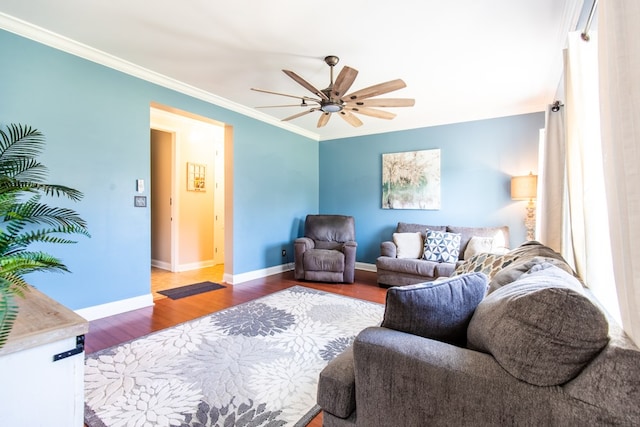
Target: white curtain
point(552, 181)
point(588, 247)
point(619, 60)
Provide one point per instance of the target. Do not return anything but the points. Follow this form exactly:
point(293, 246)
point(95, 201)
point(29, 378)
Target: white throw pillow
point(485, 245)
point(408, 245)
point(478, 245)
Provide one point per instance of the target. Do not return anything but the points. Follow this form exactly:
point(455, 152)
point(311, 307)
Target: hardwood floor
point(109, 331)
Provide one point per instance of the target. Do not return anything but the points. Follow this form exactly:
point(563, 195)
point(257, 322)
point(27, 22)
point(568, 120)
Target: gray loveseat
point(396, 267)
point(538, 352)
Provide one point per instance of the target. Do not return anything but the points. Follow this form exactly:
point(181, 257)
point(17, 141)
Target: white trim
point(256, 274)
point(122, 306)
point(116, 307)
point(366, 267)
point(259, 274)
point(195, 265)
point(161, 264)
point(57, 41)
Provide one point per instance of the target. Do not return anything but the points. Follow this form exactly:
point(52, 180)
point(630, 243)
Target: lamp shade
point(524, 187)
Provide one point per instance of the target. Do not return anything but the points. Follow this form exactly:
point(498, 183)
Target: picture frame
point(196, 177)
point(411, 180)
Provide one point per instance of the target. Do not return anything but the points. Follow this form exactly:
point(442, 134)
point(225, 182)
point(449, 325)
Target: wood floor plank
point(114, 330)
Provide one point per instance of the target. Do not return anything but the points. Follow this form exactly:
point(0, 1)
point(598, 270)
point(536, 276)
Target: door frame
point(174, 212)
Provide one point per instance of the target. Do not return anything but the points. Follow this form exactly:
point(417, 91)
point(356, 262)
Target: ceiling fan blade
point(305, 84)
point(306, 98)
point(295, 116)
point(344, 81)
point(372, 112)
point(278, 106)
point(350, 118)
point(384, 102)
point(375, 90)
point(324, 119)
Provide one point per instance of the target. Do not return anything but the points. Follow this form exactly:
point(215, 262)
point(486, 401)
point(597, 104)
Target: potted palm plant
point(25, 219)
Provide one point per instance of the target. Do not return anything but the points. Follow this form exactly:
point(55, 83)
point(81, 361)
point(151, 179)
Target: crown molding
point(65, 44)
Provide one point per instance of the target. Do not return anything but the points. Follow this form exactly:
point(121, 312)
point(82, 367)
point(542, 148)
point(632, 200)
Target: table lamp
point(526, 188)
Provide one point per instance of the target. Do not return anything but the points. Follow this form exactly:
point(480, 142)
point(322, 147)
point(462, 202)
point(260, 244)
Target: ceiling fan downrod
point(330, 106)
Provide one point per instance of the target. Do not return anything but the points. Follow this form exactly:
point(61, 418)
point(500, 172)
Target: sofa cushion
point(439, 311)
point(323, 260)
point(542, 328)
point(408, 245)
point(499, 234)
point(440, 246)
point(417, 267)
point(489, 264)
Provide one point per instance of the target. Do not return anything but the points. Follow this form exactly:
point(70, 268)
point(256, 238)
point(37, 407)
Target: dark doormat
point(189, 290)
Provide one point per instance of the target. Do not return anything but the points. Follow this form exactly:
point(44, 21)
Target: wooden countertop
point(42, 320)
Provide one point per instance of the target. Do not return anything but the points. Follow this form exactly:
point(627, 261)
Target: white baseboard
point(122, 306)
point(235, 279)
point(183, 267)
point(161, 264)
point(116, 307)
point(258, 274)
point(364, 266)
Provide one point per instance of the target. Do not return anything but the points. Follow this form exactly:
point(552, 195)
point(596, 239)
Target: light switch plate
point(140, 201)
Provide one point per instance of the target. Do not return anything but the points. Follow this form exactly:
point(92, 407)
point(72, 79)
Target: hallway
point(163, 279)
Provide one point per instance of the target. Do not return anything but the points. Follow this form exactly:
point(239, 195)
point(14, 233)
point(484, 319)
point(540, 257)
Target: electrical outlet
point(284, 252)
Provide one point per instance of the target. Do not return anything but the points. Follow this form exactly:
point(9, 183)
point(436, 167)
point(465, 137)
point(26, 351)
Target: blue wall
point(96, 122)
point(477, 162)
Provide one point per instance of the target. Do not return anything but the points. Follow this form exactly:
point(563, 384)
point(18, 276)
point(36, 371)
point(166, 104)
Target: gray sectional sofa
point(397, 269)
point(536, 350)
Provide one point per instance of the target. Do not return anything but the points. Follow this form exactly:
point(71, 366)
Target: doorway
point(187, 200)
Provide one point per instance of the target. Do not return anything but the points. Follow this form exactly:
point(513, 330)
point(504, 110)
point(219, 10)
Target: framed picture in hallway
point(411, 180)
point(196, 177)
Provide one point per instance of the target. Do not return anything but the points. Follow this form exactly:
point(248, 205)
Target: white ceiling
point(462, 60)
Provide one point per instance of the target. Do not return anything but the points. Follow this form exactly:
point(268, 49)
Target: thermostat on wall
point(140, 201)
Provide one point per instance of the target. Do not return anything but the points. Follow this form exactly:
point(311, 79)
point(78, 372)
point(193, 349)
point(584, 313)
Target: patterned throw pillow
point(441, 246)
point(486, 263)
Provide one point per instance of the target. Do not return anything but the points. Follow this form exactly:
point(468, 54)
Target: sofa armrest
point(403, 379)
point(349, 249)
point(300, 246)
point(304, 243)
point(388, 249)
point(337, 386)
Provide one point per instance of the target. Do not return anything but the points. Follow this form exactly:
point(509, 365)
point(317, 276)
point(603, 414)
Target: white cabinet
point(35, 390)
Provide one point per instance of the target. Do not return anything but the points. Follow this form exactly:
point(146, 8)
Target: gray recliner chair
point(327, 252)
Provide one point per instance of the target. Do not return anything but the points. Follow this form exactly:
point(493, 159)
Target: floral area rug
point(255, 364)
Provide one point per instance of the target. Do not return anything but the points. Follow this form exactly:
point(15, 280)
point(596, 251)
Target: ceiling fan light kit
point(332, 99)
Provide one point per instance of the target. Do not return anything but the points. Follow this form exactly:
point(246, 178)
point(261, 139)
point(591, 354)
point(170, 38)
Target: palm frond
point(34, 212)
point(23, 169)
point(19, 141)
point(16, 265)
point(8, 315)
point(14, 284)
point(13, 243)
point(19, 169)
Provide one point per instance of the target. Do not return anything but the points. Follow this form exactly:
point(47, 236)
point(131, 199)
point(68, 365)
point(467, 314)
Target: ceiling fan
point(333, 99)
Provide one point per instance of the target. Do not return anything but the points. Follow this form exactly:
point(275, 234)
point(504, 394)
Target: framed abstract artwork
point(196, 177)
point(411, 180)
